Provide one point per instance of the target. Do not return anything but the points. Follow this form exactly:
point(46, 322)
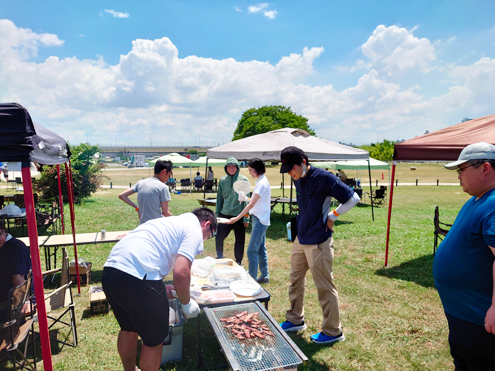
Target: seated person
point(15, 264)
point(198, 177)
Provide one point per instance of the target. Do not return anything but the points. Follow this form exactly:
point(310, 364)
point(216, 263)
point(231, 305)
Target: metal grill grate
point(276, 352)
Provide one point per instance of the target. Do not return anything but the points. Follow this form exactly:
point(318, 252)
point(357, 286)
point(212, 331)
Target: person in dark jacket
point(313, 246)
point(228, 206)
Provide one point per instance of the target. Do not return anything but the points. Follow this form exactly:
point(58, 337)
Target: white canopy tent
point(177, 160)
point(268, 147)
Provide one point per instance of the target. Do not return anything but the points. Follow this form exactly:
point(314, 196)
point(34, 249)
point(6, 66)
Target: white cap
point(476, 151)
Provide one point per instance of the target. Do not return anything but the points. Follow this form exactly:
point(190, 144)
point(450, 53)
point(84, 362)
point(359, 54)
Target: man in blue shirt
point(464, 265)
point(313, 246)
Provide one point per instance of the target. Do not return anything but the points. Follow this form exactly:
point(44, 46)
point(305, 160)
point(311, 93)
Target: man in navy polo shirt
point(313, 246)
point(464, 265)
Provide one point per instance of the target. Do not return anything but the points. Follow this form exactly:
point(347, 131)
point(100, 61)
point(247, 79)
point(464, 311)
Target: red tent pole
point(61, 199)
point(390, 211)
point(68, 175)
point(46, 352)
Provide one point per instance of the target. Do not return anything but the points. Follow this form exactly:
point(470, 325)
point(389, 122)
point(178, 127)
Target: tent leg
point(390, 212)
point(371, 192)
point(46, 352)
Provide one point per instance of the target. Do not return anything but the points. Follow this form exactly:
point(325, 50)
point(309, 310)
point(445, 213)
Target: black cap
point(290, 156)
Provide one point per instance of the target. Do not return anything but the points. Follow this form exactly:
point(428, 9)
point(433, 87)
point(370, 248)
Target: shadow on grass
point(309, 349)
point(418, 270)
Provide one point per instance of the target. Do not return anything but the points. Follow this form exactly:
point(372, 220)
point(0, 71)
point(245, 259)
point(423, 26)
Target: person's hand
point(169, 289)
point(241, 196)
point(231, 221)
point(330, 224)
point(490, 320)
point(190, 310)
point(246, 225)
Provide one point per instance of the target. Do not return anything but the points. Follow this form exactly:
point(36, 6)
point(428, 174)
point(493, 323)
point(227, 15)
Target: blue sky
point(184, 71)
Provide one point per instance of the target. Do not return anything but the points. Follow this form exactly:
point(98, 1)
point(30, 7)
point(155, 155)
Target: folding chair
point(379, 197)
point(198, 184)
point(60, 302)
point(16, 329)
point(209, 185)
point(185, 183)
point(439, 232)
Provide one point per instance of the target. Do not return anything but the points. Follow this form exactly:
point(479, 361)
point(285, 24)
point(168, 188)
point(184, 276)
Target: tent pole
point(46, 352)
point(390, 211)
point(68, 175)
point(371, 191)
point(60, 199)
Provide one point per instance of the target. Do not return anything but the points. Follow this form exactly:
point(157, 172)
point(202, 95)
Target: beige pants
point(318, 258)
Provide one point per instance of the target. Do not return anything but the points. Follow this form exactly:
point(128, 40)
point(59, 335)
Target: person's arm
point(490, 314)
point(124, 196)
point(219, 205)
point(182, 278)
point(342, 209)
point(165, 210)
point(245, 211)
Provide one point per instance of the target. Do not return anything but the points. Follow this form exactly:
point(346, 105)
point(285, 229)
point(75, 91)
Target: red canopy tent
point(441, 145)
point(26, 142)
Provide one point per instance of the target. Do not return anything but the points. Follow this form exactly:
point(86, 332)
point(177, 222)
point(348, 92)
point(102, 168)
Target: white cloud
point(116, 14)
point(271, 14)
point(237, 9)
point(394, 49)
point(24, 41)
point(152, 90)
point(257, 8)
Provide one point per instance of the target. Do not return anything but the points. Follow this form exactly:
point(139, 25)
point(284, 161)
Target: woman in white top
point(259, 208)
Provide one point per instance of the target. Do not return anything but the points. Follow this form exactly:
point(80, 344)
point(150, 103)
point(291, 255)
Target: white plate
point(242, 186)
point(245, 288)
point(223, 220)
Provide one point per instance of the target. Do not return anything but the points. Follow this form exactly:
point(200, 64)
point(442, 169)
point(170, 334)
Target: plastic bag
point(203, 267)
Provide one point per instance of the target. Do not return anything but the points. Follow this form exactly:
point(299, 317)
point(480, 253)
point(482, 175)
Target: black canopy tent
point(25, 142)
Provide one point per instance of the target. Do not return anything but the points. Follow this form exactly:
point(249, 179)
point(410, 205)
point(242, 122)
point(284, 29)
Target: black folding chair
point(440, 230)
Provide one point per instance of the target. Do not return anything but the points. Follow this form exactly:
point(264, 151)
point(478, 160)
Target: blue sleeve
point(337, 189)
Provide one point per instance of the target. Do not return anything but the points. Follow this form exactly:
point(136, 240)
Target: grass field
point(392, 316)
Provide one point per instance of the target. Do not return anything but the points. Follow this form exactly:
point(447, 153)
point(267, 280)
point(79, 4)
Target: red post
point(60, 199)
point(390, 211)
point(46, 351)
point(68, 175)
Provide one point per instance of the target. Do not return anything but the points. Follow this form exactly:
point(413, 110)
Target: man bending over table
point(133, 281)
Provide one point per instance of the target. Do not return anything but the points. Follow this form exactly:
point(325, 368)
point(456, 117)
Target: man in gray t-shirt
point(153, 194)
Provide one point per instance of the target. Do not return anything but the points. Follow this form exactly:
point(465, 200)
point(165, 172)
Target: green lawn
point(392, 316)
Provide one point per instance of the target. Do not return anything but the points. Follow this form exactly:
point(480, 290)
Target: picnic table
point(56, 241)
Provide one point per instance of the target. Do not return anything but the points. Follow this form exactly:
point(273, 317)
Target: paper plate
point(242, 186)
point(245, 288)
point(223, 220)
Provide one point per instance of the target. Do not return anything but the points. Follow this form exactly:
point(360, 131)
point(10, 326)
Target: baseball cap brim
point(455, 165)
point(285, 168)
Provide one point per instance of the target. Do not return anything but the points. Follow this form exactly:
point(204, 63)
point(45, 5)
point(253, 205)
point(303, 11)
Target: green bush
point(86, 174)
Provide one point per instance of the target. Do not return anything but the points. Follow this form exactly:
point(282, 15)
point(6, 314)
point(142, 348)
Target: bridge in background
point(153, 150)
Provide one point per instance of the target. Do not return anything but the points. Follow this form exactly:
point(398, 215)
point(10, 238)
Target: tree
point(86, 174)
point(258, 121)
point(381, 151)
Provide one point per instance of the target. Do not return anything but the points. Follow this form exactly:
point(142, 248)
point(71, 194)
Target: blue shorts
point(139, 306)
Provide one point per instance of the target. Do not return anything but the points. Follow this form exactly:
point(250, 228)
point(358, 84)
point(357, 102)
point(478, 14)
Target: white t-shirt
point(262, 207)
point(151, 249)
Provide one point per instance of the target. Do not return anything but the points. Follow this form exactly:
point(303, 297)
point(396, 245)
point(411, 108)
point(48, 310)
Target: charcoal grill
point(276, 352)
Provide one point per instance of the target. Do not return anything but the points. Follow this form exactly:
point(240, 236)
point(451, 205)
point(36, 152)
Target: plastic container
point(289, 232)
point(172, 346)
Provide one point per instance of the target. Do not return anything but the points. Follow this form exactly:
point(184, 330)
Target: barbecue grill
point(276, 352)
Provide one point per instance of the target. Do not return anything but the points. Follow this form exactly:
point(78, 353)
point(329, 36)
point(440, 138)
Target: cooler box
point(172, 346)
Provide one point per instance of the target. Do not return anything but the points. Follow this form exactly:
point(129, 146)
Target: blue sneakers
point(289, 326)
point(321, 338)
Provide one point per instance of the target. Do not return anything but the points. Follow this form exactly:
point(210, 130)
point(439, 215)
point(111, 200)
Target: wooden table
point(60, 240)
